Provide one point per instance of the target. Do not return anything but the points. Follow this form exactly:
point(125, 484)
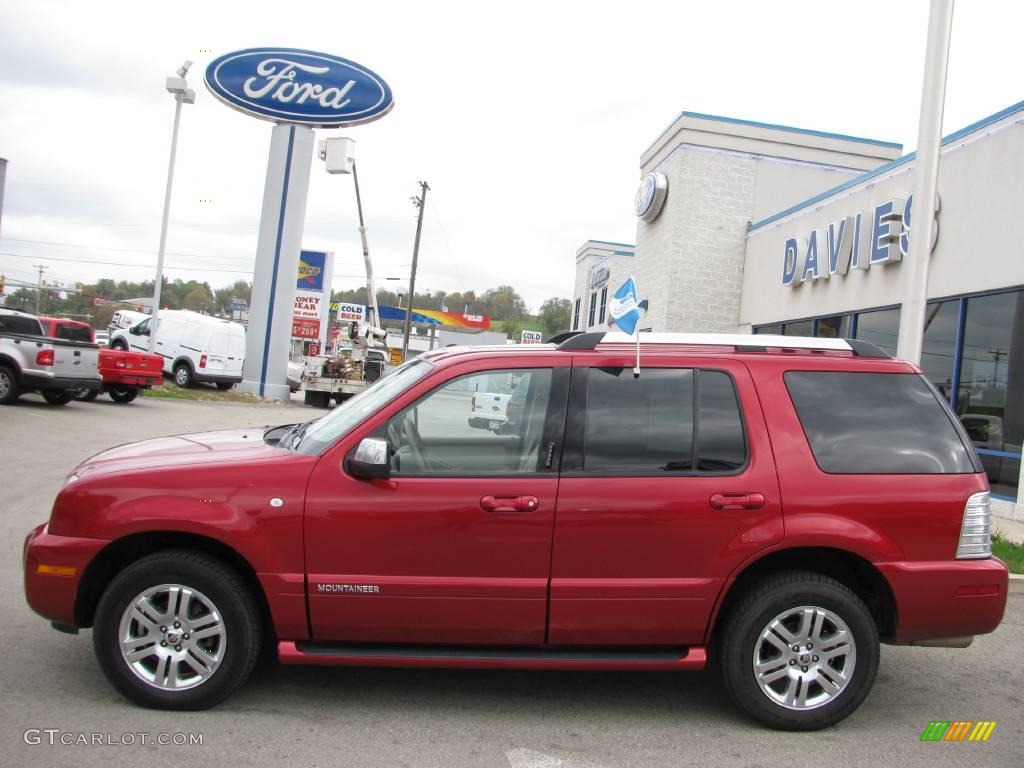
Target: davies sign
point(287, 85)
point(839, 247)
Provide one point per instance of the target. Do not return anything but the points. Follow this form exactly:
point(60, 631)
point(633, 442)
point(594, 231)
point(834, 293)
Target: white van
point(194, 347)
point(125, 318)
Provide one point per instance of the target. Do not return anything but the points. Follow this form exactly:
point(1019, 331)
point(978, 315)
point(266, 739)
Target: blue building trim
point(857, 180)
point(774, 127)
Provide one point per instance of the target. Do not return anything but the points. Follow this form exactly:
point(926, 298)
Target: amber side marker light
point(56, 570)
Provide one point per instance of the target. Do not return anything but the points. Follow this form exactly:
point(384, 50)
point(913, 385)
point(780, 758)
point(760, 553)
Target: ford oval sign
point(287, 85)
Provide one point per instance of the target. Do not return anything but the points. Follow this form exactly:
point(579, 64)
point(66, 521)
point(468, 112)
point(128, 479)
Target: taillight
point(44, 357)
point(976, 531)
point(202, 361)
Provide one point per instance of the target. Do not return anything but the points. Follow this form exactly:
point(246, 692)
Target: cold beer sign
point(880, 235)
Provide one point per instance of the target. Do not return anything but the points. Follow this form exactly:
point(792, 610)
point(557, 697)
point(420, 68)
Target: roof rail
point(561, 336)
point(742, 342)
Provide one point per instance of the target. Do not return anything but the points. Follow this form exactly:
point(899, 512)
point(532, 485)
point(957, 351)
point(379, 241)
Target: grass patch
point(1010, 553)
point(202, 393)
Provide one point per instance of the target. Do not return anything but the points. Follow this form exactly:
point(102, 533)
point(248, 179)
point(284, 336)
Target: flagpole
point(636, 369)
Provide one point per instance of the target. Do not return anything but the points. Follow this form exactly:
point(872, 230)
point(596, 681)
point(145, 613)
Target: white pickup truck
point(30, 361)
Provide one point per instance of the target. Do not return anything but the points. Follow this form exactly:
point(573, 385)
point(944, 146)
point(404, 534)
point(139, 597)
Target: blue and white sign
point(840, 247)
point(624, 309)
point(287, 85)
point(650, 197)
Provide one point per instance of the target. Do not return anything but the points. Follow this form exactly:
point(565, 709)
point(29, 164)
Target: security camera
point(183, 69)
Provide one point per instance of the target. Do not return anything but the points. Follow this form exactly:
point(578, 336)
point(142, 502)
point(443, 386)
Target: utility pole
point(420, 202)
point(39, 285)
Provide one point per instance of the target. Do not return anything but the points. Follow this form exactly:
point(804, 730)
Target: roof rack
point(742, 342)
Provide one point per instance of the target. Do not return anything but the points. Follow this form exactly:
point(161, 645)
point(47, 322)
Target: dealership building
point(750, 227)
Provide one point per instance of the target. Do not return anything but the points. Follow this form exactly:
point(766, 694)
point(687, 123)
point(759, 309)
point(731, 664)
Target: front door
point(455, 547)
point(668, 484)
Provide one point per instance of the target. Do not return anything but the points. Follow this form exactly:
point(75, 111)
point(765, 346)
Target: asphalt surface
point(288, 716)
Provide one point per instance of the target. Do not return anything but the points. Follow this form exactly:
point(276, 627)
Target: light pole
point(182, 95)
point(419, 202)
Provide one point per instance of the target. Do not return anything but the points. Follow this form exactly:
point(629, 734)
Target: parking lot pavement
point(289, 716)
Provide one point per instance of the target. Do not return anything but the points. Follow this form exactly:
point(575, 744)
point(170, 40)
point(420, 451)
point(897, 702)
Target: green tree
point(554, 314)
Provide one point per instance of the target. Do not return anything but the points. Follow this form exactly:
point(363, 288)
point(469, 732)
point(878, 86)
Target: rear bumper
point(216, 378)
point(947, 598)
point(35, 381)
point(53, 570)
point(131, 380)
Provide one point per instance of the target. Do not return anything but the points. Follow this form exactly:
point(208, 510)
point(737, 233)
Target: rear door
point(455, 547)
point(668, 484)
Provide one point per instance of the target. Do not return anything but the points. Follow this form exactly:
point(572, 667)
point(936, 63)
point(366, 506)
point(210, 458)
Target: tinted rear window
point(73, 333)
point(20, 324)
point(876, 423)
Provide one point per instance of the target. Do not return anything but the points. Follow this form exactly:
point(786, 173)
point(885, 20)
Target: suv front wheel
point(177, 630)
point(799, 652)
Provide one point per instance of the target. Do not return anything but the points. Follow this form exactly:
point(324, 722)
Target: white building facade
point(772, 229)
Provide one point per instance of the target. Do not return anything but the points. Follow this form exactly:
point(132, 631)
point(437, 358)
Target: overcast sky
point(527, 119)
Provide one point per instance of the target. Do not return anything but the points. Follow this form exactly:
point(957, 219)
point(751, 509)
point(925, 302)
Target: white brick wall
point(689, 260)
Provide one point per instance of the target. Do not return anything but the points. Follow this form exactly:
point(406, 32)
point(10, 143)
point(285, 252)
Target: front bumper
point(54, 566)
point(947, 598)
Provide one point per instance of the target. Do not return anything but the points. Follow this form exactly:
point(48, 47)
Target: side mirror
point(369, 461)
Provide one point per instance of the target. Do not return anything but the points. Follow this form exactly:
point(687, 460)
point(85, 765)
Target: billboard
point(312, 265)
point(312, 296)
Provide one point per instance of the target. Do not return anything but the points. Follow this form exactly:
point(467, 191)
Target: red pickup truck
point(782, 505)
point(123, 373)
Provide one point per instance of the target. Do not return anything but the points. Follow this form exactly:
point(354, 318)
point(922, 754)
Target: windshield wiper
point(296, 436)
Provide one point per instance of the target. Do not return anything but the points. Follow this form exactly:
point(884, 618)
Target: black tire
point(213, 580)
point(224, 386)
point(58, 396)
point(123, 394)
point(740, 637)
point(183, 375)
point(318, 399)
point(9, 387)
point(119, 344)
point(85, 395)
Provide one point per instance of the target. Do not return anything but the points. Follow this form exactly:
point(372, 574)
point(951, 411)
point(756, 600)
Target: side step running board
point(302, 652)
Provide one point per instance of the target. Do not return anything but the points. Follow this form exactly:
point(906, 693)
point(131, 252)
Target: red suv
point(782, 505)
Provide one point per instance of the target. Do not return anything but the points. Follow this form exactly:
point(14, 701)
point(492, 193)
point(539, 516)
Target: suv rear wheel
point(799, 652)
point(177, 630)
point(9, 389)
point(183, 375)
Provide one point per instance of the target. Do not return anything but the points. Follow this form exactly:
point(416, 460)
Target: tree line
point(503, 304)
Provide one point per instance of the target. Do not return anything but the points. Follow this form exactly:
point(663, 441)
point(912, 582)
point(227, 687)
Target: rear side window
point(876, 423)
point(18, 324)
point(668, 420)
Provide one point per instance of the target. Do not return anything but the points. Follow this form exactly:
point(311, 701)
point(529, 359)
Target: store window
point(775, 329)
point(990, 401)
point(593, 308)
point(938, 351)
point(604, 304)
point(837, 327)
point(576, 316)
point(799, 328)
point(881, 328)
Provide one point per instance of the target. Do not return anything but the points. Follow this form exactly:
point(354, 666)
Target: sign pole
point(926, 177)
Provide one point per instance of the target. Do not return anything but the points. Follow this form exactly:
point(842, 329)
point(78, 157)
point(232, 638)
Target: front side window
point(483, 423)
point(668, 420)
point(876, 423)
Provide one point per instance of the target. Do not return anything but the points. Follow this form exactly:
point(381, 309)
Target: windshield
point(327, 429)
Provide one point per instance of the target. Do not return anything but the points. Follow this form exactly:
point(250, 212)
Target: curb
point(1016, 584)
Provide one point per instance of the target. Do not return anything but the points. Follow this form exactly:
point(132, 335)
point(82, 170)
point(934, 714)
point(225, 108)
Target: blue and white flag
point(624, 309)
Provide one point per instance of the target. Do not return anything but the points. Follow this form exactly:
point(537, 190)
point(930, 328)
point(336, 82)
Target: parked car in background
point(102, 338)
point(717, 505)
point(32, 361)
point(125, 374)
point(194, 347)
